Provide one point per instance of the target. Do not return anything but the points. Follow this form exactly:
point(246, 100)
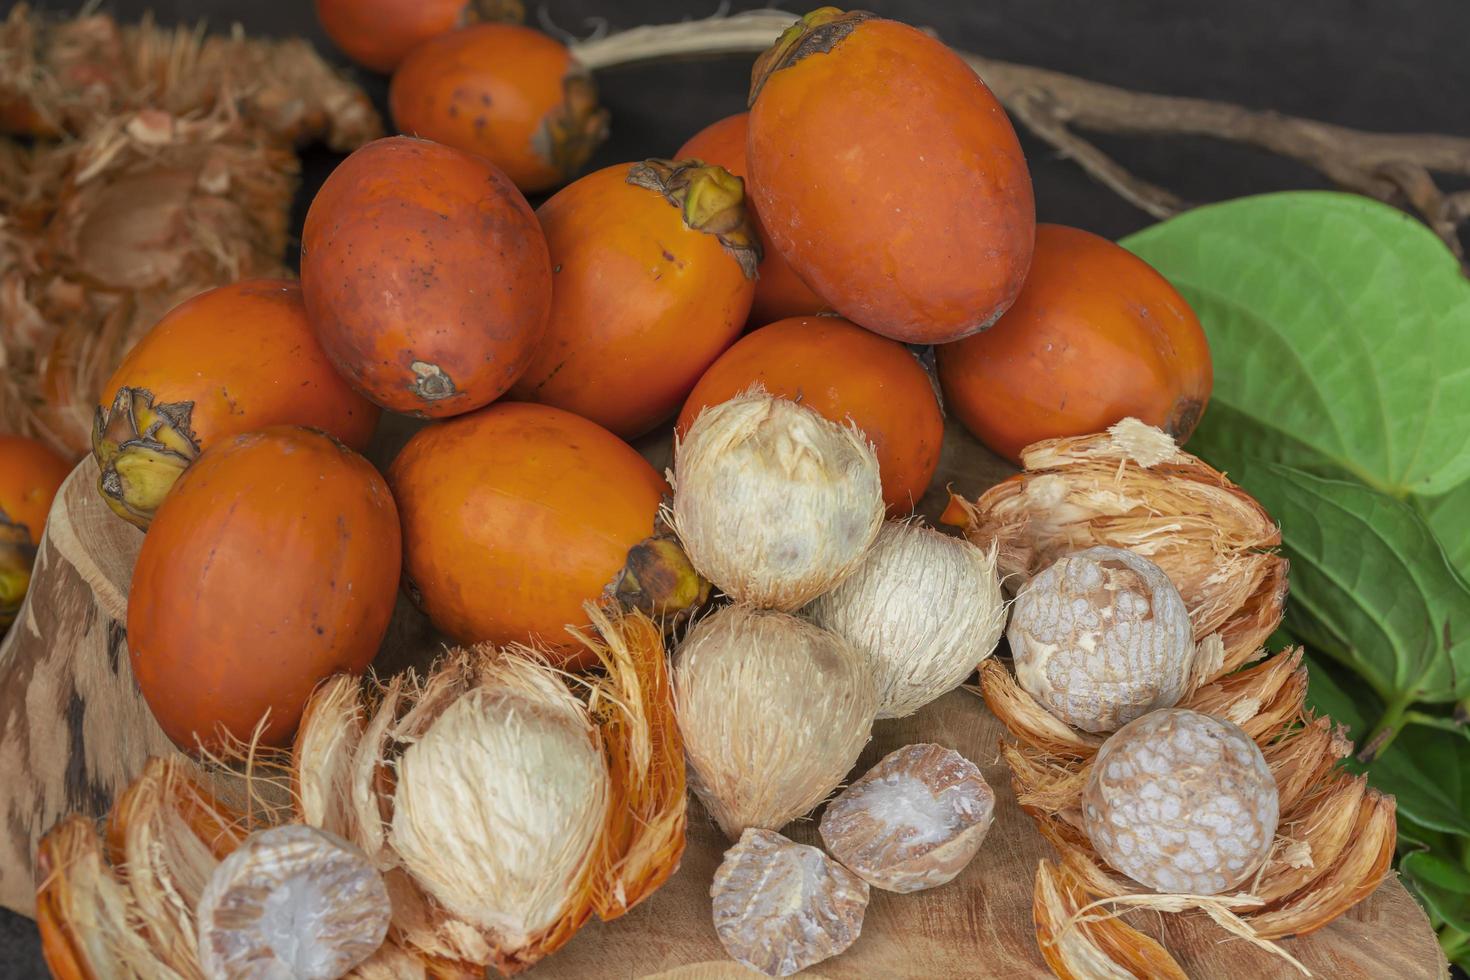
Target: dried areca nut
point(913, 821)
point(774, 712)
point(291, 903)
point(773, 503)
point(1101, 637)
point(500, 802)
point(1181, 802)
point(924, 607)
point(780, 906)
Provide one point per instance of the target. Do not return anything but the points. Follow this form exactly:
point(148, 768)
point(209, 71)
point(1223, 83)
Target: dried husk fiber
point(924, 607)
point(375, 764)
point(163, 165)
point(1131, 488)
point(774, 712)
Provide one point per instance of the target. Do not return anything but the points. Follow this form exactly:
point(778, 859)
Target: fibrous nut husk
point(1132, 488)
point(911, 822)
point(773, 503)
point(477, 864)
point(780, 906)
point(1100, 637)
point(291, 903)
point(924, 607)
point(773, 711)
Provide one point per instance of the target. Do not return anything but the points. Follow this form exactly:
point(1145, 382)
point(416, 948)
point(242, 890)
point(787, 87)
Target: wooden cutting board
point(74, 732)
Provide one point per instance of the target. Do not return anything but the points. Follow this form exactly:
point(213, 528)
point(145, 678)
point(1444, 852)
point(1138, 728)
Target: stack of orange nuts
point(873, 202)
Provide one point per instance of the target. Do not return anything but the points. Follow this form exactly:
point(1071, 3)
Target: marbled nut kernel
point(780, 906)
point(1181, 802)
point(913, 821)
point(1101, 637)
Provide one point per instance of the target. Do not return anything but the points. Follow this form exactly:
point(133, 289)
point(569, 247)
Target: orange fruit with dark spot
point(889, 177)
point(272, 565)
point(426, 276)
point(1097, 335)
point(779, 292)
point(378, 34)
point(516, 515)
point(230, 360)
point(844, 373)
point(30, 475)
point(654, 273)
point(513, 95)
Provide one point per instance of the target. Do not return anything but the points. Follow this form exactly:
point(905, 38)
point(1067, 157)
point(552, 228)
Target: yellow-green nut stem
point(142, 449)
point(573, 130)
point(710, 198)
point(660, 582)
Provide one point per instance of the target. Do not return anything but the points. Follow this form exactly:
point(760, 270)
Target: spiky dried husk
point(774, 712)
point(1077, 947)
point(1132, 488)
point(773, 503)
point(90, 922)
point(174, 173)
point(1335, 837)
point(924, 607)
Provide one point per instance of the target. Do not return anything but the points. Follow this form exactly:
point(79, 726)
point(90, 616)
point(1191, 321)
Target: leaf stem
point(1390, 723)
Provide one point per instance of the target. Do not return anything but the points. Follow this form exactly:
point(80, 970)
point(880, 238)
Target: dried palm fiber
point(1131, 488)
point(358, 771)
point(173, 172)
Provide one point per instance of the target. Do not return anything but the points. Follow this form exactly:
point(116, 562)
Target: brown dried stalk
point(1395, 168)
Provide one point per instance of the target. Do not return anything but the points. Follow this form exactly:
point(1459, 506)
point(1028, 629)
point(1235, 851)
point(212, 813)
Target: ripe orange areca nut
point(889, 177)
point(508, 93)
point(842, 372)
point(516, 515)
point(273, 564)
point(655, 266)
point(30, 475)
point(426, 276)
point(779, 292)
point(1096, 336)
point(230, 360)
point(378, 34)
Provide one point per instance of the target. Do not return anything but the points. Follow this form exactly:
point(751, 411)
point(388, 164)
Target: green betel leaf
point(1441, 884)
point(1371, 585)
point(1340, 331)
point(1449, 516)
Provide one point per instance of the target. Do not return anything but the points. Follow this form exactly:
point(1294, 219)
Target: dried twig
point(1395, 168)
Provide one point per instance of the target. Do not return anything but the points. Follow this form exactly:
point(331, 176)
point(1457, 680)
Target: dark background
point(1395, 65)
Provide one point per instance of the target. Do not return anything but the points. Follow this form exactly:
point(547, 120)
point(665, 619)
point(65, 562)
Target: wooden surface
point(75, 731)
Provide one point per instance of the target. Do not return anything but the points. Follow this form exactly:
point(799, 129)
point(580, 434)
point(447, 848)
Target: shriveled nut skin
point(913, 821)
point(1181, 802)
point(291, 903)
point(780, 906)
point(1101, 637)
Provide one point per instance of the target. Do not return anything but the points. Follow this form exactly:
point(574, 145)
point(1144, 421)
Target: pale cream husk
point(924, 607)
point(774, 712)
point(773, 503)
point(500, 801)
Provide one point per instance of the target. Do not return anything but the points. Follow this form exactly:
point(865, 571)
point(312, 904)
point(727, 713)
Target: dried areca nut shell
point(500, 801)
point(1085, 947)
point(924, 607)
point(291, 903)
point(913, 821)
point(1132, 487)
point(1181, 802)
point(773, 503)
point(774, 712)
point(780, 906)
point(1101, 637)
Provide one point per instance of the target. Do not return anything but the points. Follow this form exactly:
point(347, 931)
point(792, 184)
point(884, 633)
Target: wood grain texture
point(75, 731)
